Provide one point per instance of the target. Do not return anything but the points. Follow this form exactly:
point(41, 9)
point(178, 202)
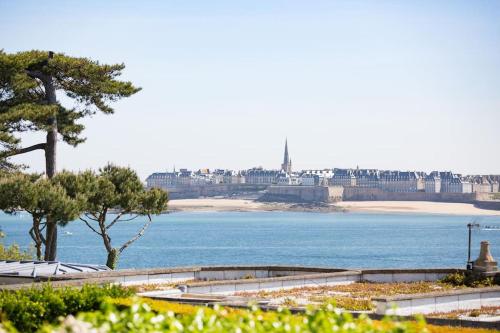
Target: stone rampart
point(335, 193)
point(296, 193)
point(491, 205)
point(212, 190)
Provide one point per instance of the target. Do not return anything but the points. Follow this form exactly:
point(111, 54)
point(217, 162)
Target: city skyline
point(386, 85)
point(286, 167)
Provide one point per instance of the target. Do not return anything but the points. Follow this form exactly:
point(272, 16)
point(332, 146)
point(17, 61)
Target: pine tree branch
point(139, 234)
point(117, 218)
point(23, 150)
point(114, 221)
point(91, 227)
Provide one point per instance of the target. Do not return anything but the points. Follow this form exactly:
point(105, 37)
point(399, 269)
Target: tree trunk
point(37, 237)
point(112, 258)
point(50, 167)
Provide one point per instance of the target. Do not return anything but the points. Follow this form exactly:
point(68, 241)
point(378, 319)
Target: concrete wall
point(298, 193)
point(408, 275)
point(439, 302)
point(227, 287)
point(376, 194)
point(229, 281)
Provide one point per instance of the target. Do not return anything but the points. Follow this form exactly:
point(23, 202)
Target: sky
point(409, 85)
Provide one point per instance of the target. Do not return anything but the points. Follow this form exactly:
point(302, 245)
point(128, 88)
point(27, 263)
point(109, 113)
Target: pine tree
point(111, 197)
point(29, 82)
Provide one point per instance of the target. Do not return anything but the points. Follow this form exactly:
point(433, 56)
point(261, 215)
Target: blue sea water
point(351, 240)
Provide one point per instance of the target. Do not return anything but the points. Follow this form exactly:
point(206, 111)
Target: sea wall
point(375, 194)
point(212, 190)
point(296, 193)
point(491, 205)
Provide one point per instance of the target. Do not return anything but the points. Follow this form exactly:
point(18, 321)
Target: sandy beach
point(426, 207)
point(244, 205)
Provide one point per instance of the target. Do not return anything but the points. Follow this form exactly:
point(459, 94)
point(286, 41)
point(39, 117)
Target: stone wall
point(376, 194)
point(299, 193)
point(492, 205)
point(212, 190)
point(335, 193)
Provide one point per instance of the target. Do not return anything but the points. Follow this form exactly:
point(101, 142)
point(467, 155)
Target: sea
point(343, 240)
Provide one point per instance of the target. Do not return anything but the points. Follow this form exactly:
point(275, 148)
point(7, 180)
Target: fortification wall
point(376, 194)
point(299, 193)
point(211, 190)
point(492, 205)
point(335, 193)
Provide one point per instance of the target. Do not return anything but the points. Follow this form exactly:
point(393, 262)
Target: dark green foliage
point(40, 197)
point(115, 195)
point(23, 100)
point(468, 279)
point(28, 309)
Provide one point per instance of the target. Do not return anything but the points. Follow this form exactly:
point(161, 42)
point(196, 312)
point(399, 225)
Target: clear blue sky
point(381, 84)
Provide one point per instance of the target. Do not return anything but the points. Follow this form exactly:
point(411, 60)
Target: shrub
point(155, 305)
point(351, 304)
point(14, 252)
point(468, 279)
point(140, 318)
point(28, 309)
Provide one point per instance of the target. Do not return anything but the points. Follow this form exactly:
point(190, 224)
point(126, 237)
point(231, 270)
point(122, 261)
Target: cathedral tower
point(287, 162)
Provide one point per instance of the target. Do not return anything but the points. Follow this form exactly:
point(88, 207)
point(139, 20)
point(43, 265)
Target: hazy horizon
point(386, 84)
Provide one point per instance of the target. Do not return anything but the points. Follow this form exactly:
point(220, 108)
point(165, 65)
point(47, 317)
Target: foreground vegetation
point(115, 309)
point(28, 309)
point(13, 251)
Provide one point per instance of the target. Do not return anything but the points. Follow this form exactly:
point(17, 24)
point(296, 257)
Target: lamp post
point(471, 225)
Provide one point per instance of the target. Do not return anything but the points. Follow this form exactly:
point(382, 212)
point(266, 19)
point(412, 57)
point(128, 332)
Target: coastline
point(247, 205)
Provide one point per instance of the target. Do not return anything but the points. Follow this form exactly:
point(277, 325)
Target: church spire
point(287, 165)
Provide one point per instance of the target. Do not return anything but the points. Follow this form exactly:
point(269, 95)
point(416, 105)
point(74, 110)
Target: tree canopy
point(113, 195)
point(25, 81)
point(29, 83)
point(41, 198)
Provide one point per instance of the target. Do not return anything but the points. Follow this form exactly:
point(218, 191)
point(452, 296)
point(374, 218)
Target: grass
point(359, 289)
point(353, 297)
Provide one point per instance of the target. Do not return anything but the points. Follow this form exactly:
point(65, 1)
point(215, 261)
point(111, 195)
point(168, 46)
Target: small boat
point(68, 233)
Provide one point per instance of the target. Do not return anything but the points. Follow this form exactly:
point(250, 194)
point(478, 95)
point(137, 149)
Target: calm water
point(317, 239)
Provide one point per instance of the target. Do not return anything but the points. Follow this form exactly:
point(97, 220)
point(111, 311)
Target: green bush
point(14, 252)
point(28, 309)
point(468, 279)
point(140, 318)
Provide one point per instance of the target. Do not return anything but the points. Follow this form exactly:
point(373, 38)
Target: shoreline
point(248, 205)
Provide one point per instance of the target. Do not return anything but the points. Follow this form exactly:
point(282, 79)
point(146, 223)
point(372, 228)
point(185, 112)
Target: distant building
point(308, 179)
point(286, 166)
point(162, 180)
point(481, 184)
point(323, 175)
point(261, 176)
point(400, 181)
point(453, 183)
point(343, 177)
point(433, 183)
point(367, 178)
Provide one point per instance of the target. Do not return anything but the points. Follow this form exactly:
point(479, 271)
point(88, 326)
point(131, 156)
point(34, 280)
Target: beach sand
point(244, 205)
point(416, 207)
